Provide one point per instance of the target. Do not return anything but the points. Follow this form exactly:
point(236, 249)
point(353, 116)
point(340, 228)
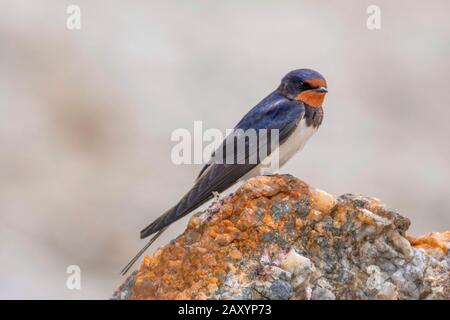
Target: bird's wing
point(273, 112)
point(281, 114)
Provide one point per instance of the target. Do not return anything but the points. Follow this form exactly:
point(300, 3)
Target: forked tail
point(141, 252)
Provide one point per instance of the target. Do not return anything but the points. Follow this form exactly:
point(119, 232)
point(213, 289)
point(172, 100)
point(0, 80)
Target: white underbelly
point(291, 146)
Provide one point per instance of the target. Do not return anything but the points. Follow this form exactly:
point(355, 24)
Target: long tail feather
point(141, 252)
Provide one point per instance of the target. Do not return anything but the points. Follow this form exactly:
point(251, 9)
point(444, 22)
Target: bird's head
point(304, 85)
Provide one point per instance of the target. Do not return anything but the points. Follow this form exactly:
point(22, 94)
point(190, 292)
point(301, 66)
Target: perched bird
point(294, 108)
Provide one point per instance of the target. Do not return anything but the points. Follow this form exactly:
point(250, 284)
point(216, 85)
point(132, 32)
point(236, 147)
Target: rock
point(279, 290)
point(322, 294)
point(278, 238)
point(296, 263)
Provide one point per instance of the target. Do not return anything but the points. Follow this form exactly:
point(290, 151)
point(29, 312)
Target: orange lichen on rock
point(433, 242)
point(278, 238)
point(188, 267)
point(323, 200)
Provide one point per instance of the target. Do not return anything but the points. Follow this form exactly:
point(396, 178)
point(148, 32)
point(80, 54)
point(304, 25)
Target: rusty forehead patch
point(315, 83)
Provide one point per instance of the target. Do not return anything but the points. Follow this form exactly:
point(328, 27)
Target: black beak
point(320, 89)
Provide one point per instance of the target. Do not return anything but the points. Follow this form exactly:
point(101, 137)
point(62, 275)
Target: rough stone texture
point(278, 238)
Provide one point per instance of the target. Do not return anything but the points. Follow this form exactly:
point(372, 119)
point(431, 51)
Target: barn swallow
point(294, 108)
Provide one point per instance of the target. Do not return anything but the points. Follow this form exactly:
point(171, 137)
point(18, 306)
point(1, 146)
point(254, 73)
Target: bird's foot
point(216, 195)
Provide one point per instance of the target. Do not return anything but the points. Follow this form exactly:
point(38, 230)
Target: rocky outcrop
point(278, 238)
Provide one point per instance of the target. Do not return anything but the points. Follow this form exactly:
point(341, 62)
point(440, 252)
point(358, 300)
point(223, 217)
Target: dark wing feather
point(274, 112)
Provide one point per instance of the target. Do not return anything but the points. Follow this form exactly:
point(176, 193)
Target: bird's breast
point(296, 141)
point(292, 145)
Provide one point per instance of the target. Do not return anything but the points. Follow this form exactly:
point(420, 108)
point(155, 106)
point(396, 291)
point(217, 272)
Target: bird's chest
point(296, 141)
point(285, 151)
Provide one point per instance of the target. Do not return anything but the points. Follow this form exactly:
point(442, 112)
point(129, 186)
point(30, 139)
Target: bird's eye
point(305, 86)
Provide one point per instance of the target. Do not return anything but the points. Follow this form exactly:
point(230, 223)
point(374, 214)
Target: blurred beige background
point(86, 117)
